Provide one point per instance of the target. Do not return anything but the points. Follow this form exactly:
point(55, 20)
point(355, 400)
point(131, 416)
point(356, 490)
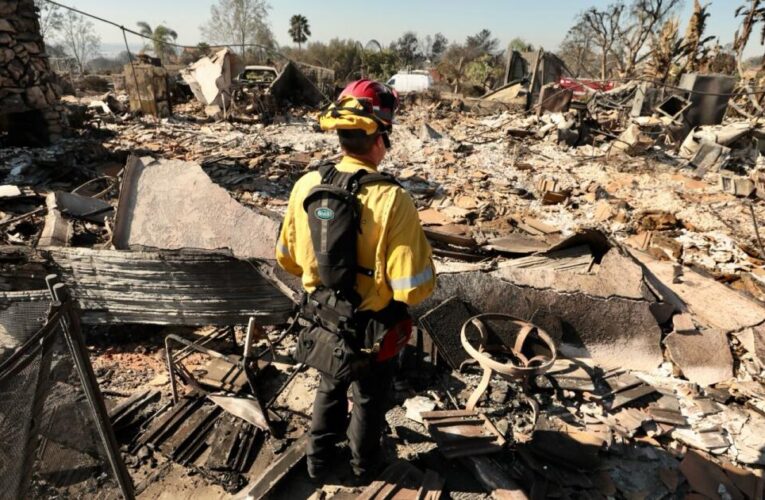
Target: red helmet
point(383, 99)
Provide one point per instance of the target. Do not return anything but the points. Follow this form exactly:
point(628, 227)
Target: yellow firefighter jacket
point(391, 243)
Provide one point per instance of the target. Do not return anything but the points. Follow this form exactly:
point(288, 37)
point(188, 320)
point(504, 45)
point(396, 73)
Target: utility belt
point(344, 343)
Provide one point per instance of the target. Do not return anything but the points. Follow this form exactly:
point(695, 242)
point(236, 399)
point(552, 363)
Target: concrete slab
point(703, 357)
point(683, 323)
point(517, 243)
point(617, 276)
point(702, 297)
point(172, 204)
point(598, 315)
point(750, 442)
point(753, 340)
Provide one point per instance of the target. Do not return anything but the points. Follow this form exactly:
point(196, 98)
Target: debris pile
point(210, 79)
point(598, 328)
point(147, 89)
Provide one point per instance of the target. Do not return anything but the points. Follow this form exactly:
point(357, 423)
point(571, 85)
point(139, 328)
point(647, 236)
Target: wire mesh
point(51, 446)
point(17, 404)
point(21, 315)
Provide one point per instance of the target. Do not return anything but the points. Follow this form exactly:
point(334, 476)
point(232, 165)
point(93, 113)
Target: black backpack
point(334, 219)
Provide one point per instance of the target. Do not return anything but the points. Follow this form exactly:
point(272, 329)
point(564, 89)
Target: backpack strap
point(331, 176)
point(352, 182)
point(372, 177)
point(327, 172)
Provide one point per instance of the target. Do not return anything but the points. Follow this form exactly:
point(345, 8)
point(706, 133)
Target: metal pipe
point(171, 371)
point(248, 338)
point(214, 335)
point(298, 368)
point(191, 345)
point(132, 66)
point(22, 216)
point(70, 326)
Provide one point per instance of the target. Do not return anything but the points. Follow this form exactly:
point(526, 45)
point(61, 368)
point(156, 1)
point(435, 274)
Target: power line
point(172, 44)
point(759, 91)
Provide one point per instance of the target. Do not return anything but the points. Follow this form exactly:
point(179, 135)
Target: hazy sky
point(541, 22)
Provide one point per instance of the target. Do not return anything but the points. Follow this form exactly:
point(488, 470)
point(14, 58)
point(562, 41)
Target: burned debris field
point(596, 216)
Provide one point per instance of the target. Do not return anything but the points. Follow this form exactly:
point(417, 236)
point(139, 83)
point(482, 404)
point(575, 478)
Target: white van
point(416, 81)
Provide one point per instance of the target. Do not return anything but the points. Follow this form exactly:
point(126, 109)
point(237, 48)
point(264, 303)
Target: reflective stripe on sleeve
point(324, 224)
point(282, 248)
point(412, 281)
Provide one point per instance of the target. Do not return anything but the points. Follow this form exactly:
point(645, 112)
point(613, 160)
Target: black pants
point(330, 419)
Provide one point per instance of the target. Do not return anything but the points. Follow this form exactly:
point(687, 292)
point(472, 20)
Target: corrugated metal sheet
point(183, 287)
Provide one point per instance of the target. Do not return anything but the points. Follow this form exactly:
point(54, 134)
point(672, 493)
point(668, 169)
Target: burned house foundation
point(597, 316)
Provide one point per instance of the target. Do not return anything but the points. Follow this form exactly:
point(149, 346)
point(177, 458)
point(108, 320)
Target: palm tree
point(753, 13)
point(160, 37)
point(299, 30)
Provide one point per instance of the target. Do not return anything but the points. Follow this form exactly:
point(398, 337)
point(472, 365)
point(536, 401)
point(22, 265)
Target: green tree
point(160, 37)
point(481, 71)
point(474, 65)
point(432, 47)
point(521, 45)
point(408, 49)
point(203, 48)
point(344, 57)
point(381, 65)
point(299, 30)
point(440, 43)
point(482, 43)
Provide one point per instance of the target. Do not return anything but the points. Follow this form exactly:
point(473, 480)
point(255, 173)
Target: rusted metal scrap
point(520, 366)
point(193, 427)
point(463, 433)
point(248, 409)
point(276, 471)
point(403, 480)
point(442, 325)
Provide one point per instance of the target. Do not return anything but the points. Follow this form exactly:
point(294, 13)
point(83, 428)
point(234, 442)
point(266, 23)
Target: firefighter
point(393, 269)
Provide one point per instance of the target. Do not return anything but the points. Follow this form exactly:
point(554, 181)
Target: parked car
point(415, 81)
point(260, 76)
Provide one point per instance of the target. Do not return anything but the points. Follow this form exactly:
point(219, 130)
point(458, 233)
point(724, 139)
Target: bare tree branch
point(79, 38)
point(239, 23)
